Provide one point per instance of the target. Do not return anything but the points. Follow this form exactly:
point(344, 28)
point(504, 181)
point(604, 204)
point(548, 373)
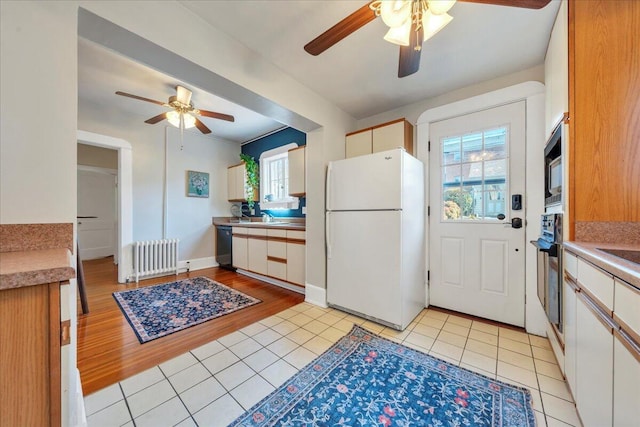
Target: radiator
point(153, 257)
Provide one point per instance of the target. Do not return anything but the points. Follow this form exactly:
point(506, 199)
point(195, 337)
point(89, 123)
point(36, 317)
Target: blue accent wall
point(269, 142)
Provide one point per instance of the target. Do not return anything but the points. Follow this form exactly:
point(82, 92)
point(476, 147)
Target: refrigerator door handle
point(328, 188)
point(327, 234)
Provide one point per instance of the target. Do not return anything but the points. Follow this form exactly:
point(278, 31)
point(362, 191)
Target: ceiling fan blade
point(342, 29)
point(155, 119)
point(141, 98)
point(201, 127)
point(527, 4)
point(215, 115)
point(409, 61)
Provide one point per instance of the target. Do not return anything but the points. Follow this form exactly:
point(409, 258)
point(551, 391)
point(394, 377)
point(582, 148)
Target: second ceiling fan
point(183, 112)
point(411, 22)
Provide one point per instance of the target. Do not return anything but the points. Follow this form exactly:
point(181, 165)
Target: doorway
point(124, 202)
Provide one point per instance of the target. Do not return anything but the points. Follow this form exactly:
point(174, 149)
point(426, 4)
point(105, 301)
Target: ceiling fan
point(183, 113)
point(411, 22)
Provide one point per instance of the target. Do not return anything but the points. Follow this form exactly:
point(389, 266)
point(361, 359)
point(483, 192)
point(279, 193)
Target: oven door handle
point(544, 246)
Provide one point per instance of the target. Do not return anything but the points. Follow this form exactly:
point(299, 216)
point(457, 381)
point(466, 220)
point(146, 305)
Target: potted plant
point(253, 179)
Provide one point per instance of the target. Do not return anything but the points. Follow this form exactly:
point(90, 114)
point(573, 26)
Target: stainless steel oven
point(549, 246)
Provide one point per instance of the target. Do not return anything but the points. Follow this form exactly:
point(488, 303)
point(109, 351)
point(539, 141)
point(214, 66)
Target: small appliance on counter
point(375, 244)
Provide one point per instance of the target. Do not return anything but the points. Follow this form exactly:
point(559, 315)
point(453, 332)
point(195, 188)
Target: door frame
point(533, 93)
point(125, 196)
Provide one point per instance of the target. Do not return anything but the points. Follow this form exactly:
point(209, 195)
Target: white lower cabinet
point(277, 256)
point(594, 367)
point(295, 263)
point(240, 248)
point(570, 300)
point(257, 247)
point(626, 386)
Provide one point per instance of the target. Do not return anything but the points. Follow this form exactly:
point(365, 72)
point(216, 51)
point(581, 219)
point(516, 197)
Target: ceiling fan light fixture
point(438, 7)
point(174, 118)
point(395, 13)
point(399, 35)
point(183, 95)
point(431, 23)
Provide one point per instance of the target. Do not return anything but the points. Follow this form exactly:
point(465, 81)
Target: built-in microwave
point(553, 168)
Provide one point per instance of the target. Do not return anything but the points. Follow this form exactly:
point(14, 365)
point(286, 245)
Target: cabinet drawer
point(276, 233)
point(238, 230)
point(571, 264)
point(257, 231)
point(627, 308)
point(596, 282)
point(277, 249)
point(296, 234)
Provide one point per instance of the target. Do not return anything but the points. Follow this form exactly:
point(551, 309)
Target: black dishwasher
point(224, 255)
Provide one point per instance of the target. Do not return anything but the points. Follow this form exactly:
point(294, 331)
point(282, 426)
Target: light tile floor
point(213, 384)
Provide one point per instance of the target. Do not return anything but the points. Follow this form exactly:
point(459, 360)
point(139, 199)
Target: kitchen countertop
point(283, 224)
point(34, 267)
point(619, 267)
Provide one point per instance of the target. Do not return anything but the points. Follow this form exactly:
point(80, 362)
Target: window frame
point(287, 202)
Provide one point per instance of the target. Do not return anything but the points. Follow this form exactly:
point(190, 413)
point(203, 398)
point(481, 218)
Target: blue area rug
point(156, 311)
point(367, 380)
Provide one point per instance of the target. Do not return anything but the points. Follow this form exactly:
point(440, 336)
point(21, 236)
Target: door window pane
point(474, 175)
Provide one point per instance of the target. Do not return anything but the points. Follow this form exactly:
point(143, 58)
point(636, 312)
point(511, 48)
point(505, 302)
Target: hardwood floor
point(108, 350)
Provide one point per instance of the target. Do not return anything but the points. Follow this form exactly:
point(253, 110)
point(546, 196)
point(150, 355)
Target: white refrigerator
point(375, 237)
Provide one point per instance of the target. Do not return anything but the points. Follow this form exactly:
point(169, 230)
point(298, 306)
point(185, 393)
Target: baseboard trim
point(316, 295)
point(197, 264)
point(272, 281)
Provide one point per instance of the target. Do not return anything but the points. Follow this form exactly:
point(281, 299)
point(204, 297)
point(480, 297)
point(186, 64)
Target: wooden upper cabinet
point(236, 179)
point(297, 186)
point(387, 136)
point(604, 94)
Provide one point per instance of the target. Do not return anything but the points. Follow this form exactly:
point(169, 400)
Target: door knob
point(516, 223)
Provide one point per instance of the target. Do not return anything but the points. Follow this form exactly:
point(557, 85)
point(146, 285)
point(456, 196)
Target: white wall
point(411, 112)
point(38, 112)
point(187, 218)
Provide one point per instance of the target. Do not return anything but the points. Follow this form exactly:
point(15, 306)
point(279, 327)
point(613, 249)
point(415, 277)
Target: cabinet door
point(594, 363)
point(626, 392)
point(258, 255)
point(569, 301)
point(241, 177)
point(295, 263)
point(388, 137)
point(296, 172)
point(231, 184)
point(240, 252)
point(358, 144)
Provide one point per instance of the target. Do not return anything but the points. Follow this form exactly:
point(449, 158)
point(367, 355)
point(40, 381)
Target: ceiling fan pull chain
point(181, 131)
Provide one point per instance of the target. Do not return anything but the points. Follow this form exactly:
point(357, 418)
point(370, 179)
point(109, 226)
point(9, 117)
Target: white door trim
point(533, 93)
point(125, 195)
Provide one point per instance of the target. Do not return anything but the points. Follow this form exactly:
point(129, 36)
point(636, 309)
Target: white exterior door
point(96, 214)
point(477, 258)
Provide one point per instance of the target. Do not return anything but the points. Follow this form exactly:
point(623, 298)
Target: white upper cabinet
point(236, 176)
point(297, 185)
point(556, 71)
point(387, 136)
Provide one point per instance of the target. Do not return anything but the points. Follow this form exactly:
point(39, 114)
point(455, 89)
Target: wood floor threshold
point(108, 349)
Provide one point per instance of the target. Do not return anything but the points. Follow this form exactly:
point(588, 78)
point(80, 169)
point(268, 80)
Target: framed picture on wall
point(197, 184)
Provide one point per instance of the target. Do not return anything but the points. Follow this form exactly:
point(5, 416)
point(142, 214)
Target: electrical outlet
point(304, 210)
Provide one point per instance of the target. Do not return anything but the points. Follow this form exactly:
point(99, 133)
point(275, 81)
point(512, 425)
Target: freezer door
point(363, 263)
point(371, 182)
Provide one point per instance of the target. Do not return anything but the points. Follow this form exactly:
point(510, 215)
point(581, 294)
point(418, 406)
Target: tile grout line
point(178, 394)
point(126, 402)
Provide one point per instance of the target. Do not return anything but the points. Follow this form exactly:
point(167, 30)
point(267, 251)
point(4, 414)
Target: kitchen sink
point(629, 255)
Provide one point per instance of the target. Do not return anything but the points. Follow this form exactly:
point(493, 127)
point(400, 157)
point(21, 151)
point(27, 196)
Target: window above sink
point(274, 179)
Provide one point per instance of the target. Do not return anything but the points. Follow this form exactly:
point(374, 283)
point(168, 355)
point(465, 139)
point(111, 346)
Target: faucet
point(267, 217)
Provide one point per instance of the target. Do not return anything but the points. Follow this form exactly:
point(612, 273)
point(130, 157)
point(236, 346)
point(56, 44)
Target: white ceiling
point(359, 74)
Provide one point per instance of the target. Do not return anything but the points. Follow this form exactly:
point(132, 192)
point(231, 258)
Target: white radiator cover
point(153, 257)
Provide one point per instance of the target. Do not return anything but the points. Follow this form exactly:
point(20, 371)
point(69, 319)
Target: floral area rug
point(156, 311)
point(367, 380)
